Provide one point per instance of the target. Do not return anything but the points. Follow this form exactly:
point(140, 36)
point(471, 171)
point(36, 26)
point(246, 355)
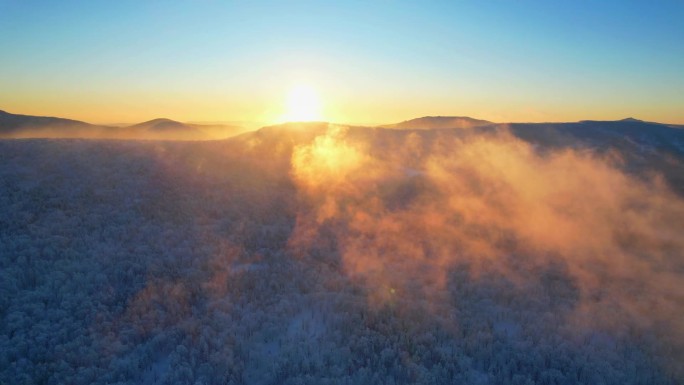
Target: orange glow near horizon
point(306, 103)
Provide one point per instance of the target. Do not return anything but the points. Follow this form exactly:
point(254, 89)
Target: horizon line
point(263, 123)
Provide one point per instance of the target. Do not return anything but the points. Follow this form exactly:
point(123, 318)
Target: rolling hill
point(438, 122)
point(27, 126)
point(12, 125)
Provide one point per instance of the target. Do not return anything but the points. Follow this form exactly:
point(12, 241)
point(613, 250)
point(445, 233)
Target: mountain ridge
point(439, 122)
point(11, 122)
point(162, 124)
point(31, 126)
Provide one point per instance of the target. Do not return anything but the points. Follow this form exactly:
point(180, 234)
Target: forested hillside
point(321, 254)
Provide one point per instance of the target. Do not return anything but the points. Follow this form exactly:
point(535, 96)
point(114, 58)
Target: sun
point(303, 105)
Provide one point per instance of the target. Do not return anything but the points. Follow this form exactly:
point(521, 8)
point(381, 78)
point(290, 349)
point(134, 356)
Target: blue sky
point(371, 62)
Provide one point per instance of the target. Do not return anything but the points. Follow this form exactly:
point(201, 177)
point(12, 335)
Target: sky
point(368, 62)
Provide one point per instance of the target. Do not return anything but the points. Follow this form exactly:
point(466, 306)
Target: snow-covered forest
point(334, 255)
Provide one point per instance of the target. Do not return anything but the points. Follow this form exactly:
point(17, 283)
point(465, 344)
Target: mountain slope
point(504, 254)
point(16, 123)
point(644, 147)
point(163, 129)
point(434, 122)
point(28, 126)
point(168, 129)
point(161, 125)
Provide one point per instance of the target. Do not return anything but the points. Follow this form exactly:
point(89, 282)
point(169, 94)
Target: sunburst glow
point(303, 105)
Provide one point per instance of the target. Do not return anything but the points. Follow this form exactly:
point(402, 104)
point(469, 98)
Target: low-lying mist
point(401, 218)
point(206, 132)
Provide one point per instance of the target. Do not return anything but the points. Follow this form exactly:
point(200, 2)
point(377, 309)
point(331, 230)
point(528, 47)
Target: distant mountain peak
point(162, 124)
point(631, 120)
point(161, 120)
point(15, 122)
point(433, 122)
